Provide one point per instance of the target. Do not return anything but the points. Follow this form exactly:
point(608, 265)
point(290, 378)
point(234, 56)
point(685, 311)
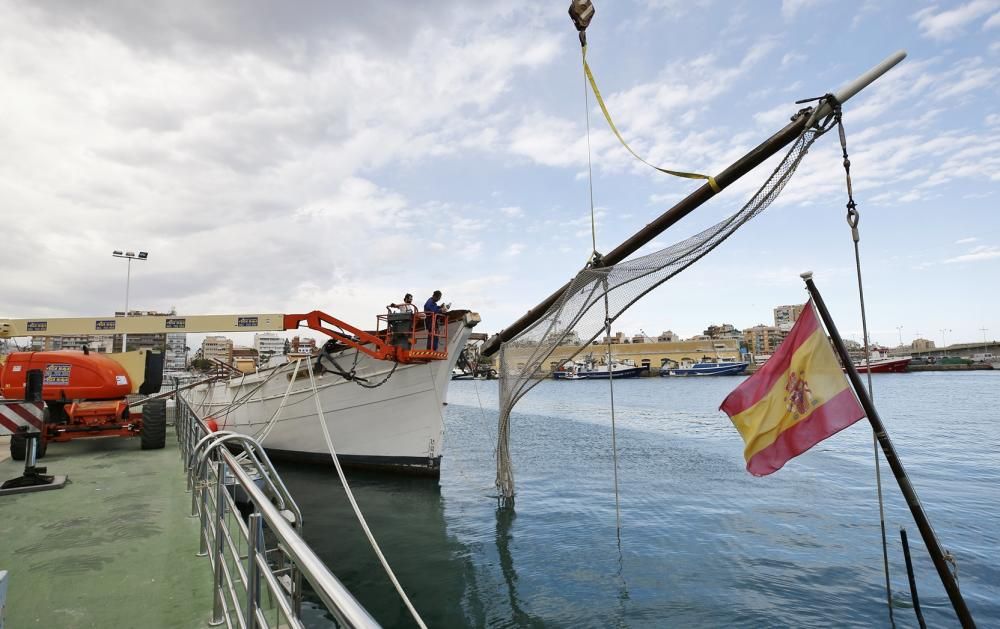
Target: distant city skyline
point(336, 157)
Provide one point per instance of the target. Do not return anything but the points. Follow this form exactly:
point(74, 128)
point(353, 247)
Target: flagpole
point(923, 524)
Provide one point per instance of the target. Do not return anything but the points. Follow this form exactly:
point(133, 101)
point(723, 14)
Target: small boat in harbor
point(880, 362)
point(884, 365)
point(590, 369)
point(717, 367)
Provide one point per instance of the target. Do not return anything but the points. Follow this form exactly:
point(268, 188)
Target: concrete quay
point(113, 548)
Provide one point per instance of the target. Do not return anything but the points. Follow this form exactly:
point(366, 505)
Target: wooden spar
point(696, 199)
point(909, 493)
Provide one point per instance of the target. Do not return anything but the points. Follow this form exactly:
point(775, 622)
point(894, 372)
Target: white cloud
point(968, 79)
point(242, 155)
point(949, 23)
point(978, 254)
point(662, 199)
point(791, 58)
point(320, 158)
point(549, 141)
point(790, 7)
point(965, 241)
point(774, 117)
point(993, 22)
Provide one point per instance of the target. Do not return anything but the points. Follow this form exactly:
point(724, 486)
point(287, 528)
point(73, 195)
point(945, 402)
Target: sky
point(276, 157)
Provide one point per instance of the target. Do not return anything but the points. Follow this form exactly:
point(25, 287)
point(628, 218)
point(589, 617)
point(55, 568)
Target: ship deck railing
point(251, 532)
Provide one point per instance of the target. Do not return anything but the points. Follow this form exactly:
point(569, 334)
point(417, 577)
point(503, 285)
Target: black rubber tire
point(18, 446)
point(154, 425)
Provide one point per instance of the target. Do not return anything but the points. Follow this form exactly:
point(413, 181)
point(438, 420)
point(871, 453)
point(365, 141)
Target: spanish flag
point(797, 399)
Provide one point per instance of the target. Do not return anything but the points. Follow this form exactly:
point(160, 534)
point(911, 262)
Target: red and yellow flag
point(797, 399)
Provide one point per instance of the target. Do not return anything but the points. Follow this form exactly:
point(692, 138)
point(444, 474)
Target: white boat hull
point(397, 425)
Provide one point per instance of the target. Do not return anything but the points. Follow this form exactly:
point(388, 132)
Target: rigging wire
point(614, 441)
point(853, 218)
point(263, 433)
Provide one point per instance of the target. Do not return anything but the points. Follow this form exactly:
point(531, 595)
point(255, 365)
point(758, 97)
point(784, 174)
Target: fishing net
point(599, 295)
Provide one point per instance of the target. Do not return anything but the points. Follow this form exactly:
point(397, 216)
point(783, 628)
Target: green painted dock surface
point(114, 548)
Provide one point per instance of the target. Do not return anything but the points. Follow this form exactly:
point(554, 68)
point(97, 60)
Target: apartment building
point(217, 348)
point(268, 344)
point(786, 316)
point(763, 339)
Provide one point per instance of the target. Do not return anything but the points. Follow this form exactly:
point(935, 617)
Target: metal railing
point(251, 532)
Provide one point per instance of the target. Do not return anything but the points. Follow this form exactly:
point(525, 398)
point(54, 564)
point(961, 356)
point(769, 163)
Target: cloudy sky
point(277, 157)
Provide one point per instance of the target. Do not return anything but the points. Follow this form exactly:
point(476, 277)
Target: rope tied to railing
point(321, 417)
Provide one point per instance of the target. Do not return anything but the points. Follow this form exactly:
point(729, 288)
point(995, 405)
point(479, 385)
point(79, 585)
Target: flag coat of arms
point(798, 398)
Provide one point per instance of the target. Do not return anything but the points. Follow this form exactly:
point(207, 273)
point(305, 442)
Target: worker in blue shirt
point(431, 308)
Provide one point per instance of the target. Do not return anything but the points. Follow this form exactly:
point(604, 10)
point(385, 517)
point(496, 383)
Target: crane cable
point(595, 258)
point(853, 218)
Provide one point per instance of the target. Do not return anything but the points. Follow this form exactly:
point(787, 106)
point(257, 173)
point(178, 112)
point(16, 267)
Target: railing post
point(186, 457)
point(296, 588)
point(254, 534)
point(194, 492)
point(220, 521)
point(203, 523)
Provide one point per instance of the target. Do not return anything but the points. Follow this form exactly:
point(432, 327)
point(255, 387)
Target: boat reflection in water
point(406, 515)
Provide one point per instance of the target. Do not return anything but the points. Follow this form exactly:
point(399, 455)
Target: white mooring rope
point(354, 503)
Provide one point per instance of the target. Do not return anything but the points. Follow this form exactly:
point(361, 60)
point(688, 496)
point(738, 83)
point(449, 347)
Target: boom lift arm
point(394, 343)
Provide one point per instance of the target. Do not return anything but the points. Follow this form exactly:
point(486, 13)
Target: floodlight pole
point(128, 280)
point(128, 256)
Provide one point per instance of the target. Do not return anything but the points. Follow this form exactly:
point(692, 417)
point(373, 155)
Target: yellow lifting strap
point(607, 116)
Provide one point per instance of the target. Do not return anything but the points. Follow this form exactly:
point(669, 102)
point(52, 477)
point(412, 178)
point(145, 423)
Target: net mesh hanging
point(599, 295)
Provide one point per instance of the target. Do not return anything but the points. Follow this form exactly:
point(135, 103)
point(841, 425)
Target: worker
point(433, 319)
point(407, 304)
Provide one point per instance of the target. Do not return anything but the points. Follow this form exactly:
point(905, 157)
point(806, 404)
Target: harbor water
point(702, 542)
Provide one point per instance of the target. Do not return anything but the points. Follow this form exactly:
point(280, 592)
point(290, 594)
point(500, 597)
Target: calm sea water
point(702, 543)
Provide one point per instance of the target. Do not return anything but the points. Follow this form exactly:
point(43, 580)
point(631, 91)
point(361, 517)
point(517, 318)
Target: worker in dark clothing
point(431, 322)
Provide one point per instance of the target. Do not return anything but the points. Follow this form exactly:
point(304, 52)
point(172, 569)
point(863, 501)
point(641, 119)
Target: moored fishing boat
point(381, 414)
point(719, 367)
point(590, 369)
point(884, 365)
point(880, 362)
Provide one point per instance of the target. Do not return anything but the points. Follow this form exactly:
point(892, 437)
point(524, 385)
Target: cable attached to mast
point(853, 218)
